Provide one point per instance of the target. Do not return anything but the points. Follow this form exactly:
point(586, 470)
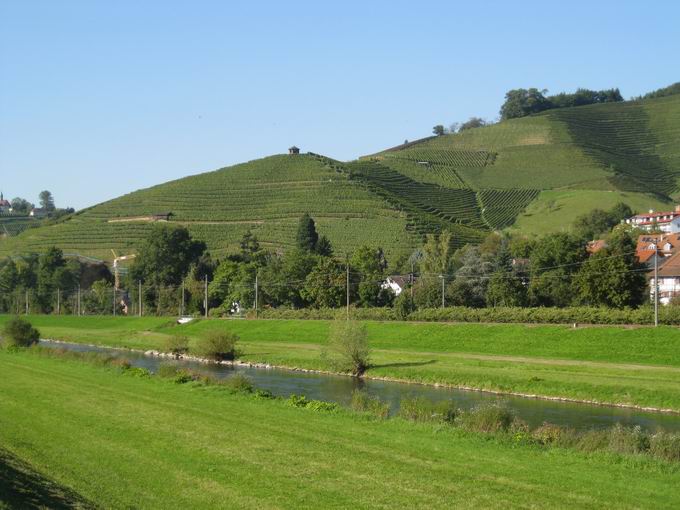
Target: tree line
point(174, 272)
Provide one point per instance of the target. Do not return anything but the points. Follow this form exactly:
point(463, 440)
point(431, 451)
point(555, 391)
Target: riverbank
point(616, 365)
point(166, 445)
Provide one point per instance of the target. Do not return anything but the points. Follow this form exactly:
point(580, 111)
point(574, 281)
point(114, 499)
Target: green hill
point(532, 175)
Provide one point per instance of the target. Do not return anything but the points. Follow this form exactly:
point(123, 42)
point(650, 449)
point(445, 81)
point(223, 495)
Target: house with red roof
point(666, 222)
point(5, 205)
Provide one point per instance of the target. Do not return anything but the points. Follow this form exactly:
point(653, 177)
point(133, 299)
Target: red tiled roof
point(671, 267)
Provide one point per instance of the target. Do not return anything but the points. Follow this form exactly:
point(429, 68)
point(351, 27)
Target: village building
point(666, 222)
point(398, 283)
point(5, 205)
point(669, 279)
point(38, 212)
point(293, 150)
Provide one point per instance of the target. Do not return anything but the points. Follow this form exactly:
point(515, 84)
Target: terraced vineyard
point(533, 175)
point(620, 138)
point(500, 207)
point(11, 225)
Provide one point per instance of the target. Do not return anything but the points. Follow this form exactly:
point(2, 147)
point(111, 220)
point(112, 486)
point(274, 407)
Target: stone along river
point(337, 388)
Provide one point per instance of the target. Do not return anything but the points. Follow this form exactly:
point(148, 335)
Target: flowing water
point(339, 389)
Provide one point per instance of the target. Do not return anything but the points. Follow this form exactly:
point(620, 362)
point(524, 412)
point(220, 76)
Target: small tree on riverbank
point(348, 349)
point(176, 345)
point(19, 333)
point(218, 346)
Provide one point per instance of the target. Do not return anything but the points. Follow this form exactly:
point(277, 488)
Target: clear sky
point(100, 98)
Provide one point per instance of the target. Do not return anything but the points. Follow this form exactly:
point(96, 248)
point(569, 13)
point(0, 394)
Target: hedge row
point(579, 315)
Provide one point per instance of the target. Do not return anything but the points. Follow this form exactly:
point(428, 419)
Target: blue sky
point(102, 98)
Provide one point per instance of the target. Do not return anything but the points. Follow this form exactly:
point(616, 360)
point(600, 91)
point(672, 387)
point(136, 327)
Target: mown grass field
point(619, 365)
point(118, 441)
point(534, 174)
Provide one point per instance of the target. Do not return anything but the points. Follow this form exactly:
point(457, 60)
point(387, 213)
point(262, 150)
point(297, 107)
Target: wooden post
point(256, 292)
point(347, 290)
point(139, 298)
point(656, 287)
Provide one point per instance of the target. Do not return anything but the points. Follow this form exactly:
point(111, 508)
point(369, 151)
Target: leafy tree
point(612, 276)
point(368, 273)
point(324, 287)
point(472, 277)
point(165, 256)
point(438, 130)
point(553, 261)
point(506, 289)
point(9, 281)
point(324, 247)
point(19, 333)
point(21, 205)
point(472, 123)
point(46, 200)
point(281, 280)
point(598, 222)
point(99, 300)
point(307, 236)
point(437, 254)
point(522, 102)
point(249, 246)
point(348, 349)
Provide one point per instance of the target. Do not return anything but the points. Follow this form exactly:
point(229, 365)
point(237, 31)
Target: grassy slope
point(556, 210)
point(121, 442)
point(608, 364)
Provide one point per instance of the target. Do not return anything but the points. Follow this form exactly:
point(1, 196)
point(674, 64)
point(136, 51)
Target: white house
point(667, 222)
point(669, 279)
point(396, 283)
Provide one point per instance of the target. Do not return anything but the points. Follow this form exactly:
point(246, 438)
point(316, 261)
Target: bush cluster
point(218, 346)
point(19, 333)
point(644, 315)
point(362, 402)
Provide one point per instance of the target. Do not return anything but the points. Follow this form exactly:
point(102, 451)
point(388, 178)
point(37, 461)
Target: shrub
point(176, 345)
point(421, 409)
point(362, 402)
point(403, 306)
point(665, 446)
point(138, 372)
point(177, 374)
point(315, 405)
point(19, 333)
point(218, 346)
point(348, 347)
point(627, 440)
point(593, 440)
point(549, 434)
point(239, 383)
point(487, 418)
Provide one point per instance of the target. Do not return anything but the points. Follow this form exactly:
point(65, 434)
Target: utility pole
point(79, 301)
point(411, 278)
point(58, 301)
point(256, 291)
point(656, 287)
point(206, 297)
point(27, 302)
point(181, 311)
point(347, 290)
point(443, 285)
point(114, 300)
point(139, 298)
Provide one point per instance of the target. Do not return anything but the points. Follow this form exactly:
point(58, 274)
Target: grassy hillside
point(533, 174)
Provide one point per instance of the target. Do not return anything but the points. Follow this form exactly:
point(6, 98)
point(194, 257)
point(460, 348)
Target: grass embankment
point(121, 441)
point(608, 364)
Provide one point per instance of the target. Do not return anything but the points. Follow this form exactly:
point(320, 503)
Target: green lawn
point(608, 364)
point(122, 442)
